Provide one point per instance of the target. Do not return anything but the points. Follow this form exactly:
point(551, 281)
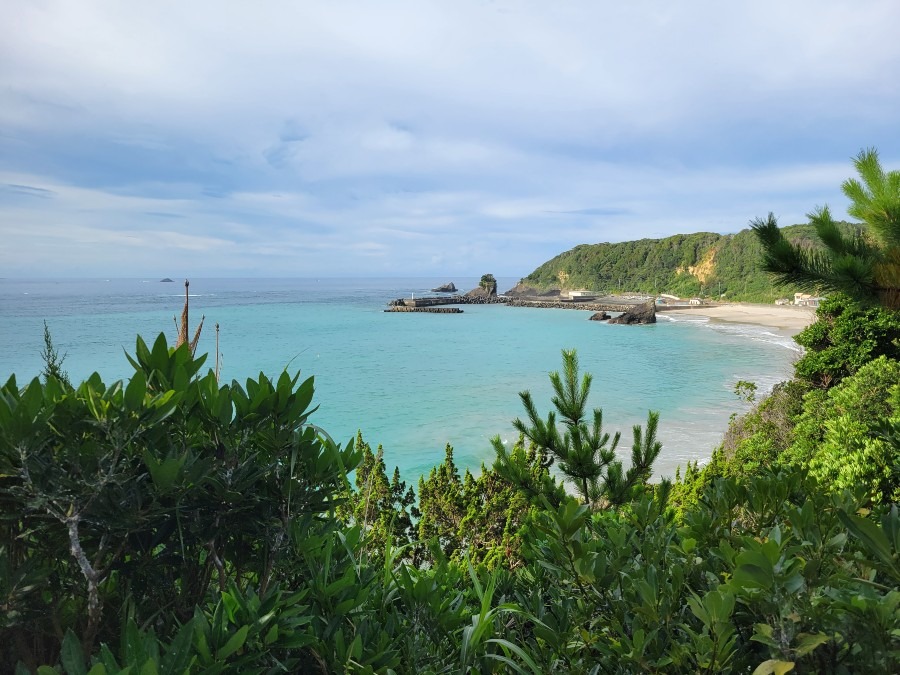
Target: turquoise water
point(411, 382)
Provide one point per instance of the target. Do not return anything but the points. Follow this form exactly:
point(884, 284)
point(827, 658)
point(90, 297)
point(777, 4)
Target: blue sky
point(421, 138)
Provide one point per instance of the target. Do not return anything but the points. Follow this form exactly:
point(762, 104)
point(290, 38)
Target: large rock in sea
point(449, 287)
point(487, 288)
point(599, 316)
point(645, 313)
point(488, 283)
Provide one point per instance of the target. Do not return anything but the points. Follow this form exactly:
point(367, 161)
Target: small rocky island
point(487, 288)
point(167, 280)
point(449, 287)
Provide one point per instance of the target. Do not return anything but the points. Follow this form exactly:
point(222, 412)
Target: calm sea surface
point(410, 382)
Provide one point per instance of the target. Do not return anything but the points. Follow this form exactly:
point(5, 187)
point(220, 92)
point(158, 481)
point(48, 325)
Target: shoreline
point(788, 319)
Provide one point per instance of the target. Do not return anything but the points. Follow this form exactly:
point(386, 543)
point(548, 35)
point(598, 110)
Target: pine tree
point(52, 360)
point(586, 454)
point(865, 265)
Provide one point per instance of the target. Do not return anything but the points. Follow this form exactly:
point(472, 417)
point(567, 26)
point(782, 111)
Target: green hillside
point(686, 265)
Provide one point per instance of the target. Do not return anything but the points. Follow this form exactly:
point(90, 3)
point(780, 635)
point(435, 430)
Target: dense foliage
point(170, 524)
point(484, 518)
point(845, 337)
point(134, 504)
point(685, 265)
point(383, 508)
point(835, 419)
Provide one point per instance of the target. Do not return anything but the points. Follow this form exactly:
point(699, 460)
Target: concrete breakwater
point(428, 310)
point(589, 306)
point(451, 300)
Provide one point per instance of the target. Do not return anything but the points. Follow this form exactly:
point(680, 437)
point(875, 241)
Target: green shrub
point(844, 338)
point(839, 436)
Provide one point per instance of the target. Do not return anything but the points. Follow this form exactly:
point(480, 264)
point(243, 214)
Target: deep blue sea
point(410, 382)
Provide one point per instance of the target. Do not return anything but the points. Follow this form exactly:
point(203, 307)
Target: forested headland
point(687, 265)
point(172, 523)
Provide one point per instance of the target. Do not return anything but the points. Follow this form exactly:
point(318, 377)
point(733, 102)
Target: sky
point(354, 138)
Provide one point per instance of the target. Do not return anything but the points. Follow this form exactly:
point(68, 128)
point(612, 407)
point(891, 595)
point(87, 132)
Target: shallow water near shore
point(411, 382)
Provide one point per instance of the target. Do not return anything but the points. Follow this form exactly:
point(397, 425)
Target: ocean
point(410, 382)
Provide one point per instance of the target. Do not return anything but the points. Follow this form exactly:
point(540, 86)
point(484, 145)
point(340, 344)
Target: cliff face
point(686, 265)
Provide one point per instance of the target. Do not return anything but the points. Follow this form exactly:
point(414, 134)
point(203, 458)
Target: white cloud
point(393, 137)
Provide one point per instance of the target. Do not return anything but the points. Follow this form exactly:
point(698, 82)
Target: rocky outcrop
point(599, 316)
point(487, 288)
point(517, 290)
point(520, 290)
point(167, 280)
point(645, 313)
point(484, 290)
point(449, 287)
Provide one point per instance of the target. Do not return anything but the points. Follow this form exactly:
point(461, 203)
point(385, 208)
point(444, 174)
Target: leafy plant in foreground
point(209, 516)
point(140, 499)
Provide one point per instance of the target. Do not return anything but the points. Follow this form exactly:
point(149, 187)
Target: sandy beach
point(786, 318)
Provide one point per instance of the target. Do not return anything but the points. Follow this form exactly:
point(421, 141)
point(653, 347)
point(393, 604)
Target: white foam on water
point(757, 334)
point(683, 319)
point(742, 330)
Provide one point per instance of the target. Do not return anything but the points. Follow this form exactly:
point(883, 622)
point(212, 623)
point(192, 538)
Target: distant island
point(167, 280)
